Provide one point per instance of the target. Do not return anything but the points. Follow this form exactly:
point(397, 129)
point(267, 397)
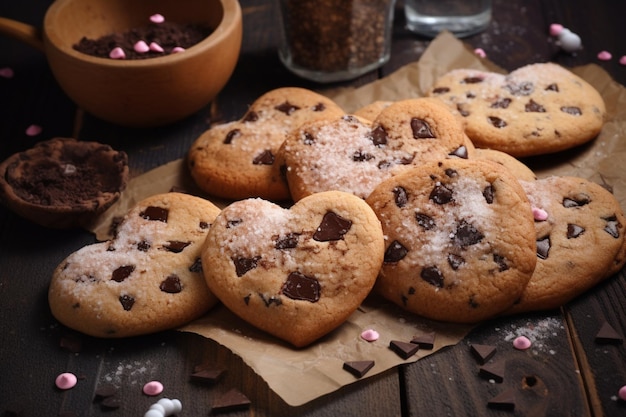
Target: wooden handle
point(22, 32)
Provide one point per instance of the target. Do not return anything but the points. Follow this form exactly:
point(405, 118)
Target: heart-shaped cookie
point(536, 109)
point(580, 230)
point(296, 273)
point(147, 279)
point(353, 155)
point(237, 160)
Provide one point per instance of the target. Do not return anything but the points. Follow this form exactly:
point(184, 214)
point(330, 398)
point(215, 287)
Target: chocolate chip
point(433, 276)
point(270, 300)
point(359, 156)
point(493, 371)
point(503, 401)
point(176, 246)
point(501, 262)
point(533, 107)
point(441, 194)
point(522, 89)
point(472, 80)
point(288, 241)
point(251, 116)
point(496, 122)
point(612, 226)
point(243, 265)
point(552, 87)
point(395, 252)
point(543, 247)
point(155, 213)
point(460, 152)
point(230, 401)
point(301, 287)
point(143, 246)
point(264, 158)
point(574, 111)
point(455, 261)
point(319, 107)
point(460, 107)
point(574, 231)
point(358, 368)
point(576, 201)
point(203, 225)
point(441, 90)
point(332, 227)
point(379, 136)
point(123, 272)
point(501, 103)
point(400, 196)
point(308, 138)
point(425, 221)
point(482, 352)
point(127, 301)
point(607, 334)
point(235, 133)
point(466, 235)
point(489, 193)
point(403, 349)
point(287, 108)
point(425, 341)
point(421, 129)
point(451, 173)
point(196, 266)
point(171, 285)
point(233, 223)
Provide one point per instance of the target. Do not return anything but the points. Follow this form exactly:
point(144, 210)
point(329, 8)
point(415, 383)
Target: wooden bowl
point(146, 92)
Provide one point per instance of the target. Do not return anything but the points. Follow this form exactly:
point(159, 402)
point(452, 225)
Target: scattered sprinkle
point(540, 215)
point(155, 47)
point(6, 72)
point(555, 29)
point(622, 393)
point(604, 56)
point(141, 47)
point(33, 130)
point(370, 335)
point(153, 388)
point(157, 18)
point(521, 343)
point(65, 380)
point(480, 52)
point(117, 53)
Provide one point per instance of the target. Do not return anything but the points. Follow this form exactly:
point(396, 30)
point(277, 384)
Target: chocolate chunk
point(233, 223)
point(533, 107)
point(460, 152)
point(425, 341)
point(496, 122)
point(251, 116)
point(576, 201)
point(287, 108)
point(466, 235)
point(288, 241)
point(612, 226)
point(207, 374)
point(301, 287)
point(455, 261)
point(501, 103)
point(143, 246)
point(358, 368)
point(552, 87)
point(176, 246)
point(403, 349)
point(441, 194)
point(243, 265)
point(235, 133)
point(268, 301)
point(503, 401)
point(319, 107)
point(607, 335)
point(155, 213)
point(230, 401)
point(308, 138)
point(424, 220)
point(574, 111)
point(451, 172)
point(171, 285)
point(462, 110)
point(489, 193)
point(400, 196)
point(196, 266)
point(332, 227)
point(264, 158)
point(421, 129)
point(204, 225)
point(574, 231)
point(127, 301)
point(501, 262)
point(472, 80)
point(493, 371)
point(359, 156)
point(543, 247)
point(379, 136)
point(441, 90)
point(472, 302)
point(433, 276)
point(395, 252)
point(483, 352)
point(522, 89)
point(123, 272)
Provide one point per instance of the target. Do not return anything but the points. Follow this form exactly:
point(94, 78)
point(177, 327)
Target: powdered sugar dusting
point(543, 334)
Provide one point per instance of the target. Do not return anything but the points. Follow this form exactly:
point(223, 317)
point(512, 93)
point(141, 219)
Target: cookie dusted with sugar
point(354, 155)
point(237, 160)
point(579, 228)
point(295, 273)
point(459, 239)
point(537, 109)
point(147, 279)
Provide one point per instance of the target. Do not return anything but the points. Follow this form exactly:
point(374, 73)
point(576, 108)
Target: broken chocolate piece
point(493, 371)
point(440, 194)
point(395, 252)
point(301, 287)
point(466, 235)
point(235, 133)
point(264, 158)
point(403, 349)
point(155, 213)
point(207, 374)
point(483, 352)
point(332, 227)
point(127, 302)
point(612, 226)
point(358, 368)
point(425, 341)
point(400, 196)
point(243, 265)
point(176, 246)
point(424, 220)
point(543, 247)
point(287, 108)
point(433, 276)
point(421, 129)
point(503, 401)
point(607, 335)
point(379, 136)
point(171, 285)
point(231, 400)
point(574, 231)
point(288, 241)
point(496, 122)
point(123, 272)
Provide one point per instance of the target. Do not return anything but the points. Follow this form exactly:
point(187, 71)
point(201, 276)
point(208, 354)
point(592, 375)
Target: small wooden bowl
point(146, 92)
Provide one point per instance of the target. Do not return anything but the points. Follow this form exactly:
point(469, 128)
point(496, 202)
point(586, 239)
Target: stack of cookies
point(422, 200)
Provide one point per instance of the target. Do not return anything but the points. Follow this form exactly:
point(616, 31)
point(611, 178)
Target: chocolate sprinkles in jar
point(331, 40)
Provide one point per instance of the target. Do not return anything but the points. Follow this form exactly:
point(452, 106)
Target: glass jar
point(335, 40)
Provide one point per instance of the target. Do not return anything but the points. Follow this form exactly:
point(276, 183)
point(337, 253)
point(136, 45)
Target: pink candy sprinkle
point(117, 53)
point(555, 29)
point(33, 130)
point(153, 388)
point(155, 47)
point(65, 381)
point(157, 18)
point(177, 49)
point(141, 47)
point(622, 393)
point(622, 60)
point(370, 335)
point(6, 72)
point(480, 52)
point(540, 214)
point(521, 343)
point(604, 56)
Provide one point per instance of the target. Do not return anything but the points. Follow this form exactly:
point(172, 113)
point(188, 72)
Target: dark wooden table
point(565, 373)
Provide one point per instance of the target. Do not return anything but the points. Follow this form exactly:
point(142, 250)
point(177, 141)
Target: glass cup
point(330, 40)
point(461, 17)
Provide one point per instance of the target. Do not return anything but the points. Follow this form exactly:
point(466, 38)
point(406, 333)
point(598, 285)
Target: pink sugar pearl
point(622, 60)
point(33, 130)
point(153, 388)
point(157, 18)
point(556, 29)
point(65, 380)
point(604, 56)
point(521, 343)
point(480, 52)
point(370, 335)
point(540, 214)
point(622, 393)
point(117, 53)
point(141, 47)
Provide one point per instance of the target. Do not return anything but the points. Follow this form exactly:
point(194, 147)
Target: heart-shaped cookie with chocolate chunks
point(352, 154)
point(237, 160)
point(295, 273)
point(147, 279)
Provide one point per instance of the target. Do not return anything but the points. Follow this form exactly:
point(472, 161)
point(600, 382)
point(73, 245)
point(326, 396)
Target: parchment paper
point(301, 375)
